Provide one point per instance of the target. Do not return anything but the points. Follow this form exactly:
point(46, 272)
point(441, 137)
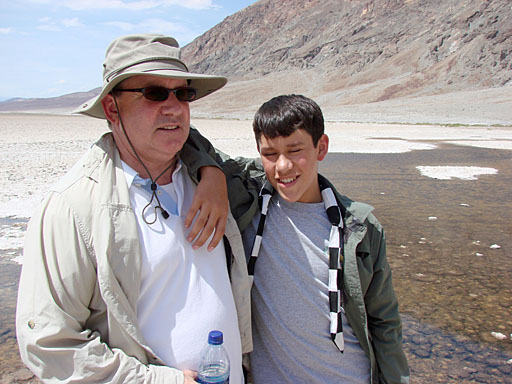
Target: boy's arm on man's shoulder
point(244, 176)
point(198, 152)
point(384, 321)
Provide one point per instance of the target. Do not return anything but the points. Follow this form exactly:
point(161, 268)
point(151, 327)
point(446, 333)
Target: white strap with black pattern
point(335, 254)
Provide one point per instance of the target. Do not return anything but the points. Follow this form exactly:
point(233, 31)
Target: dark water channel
point(454, 290)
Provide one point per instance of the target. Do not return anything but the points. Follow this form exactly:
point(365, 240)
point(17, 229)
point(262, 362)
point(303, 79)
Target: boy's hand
point(209, 208)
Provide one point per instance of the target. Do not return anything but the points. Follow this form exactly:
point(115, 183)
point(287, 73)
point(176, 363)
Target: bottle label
point(213, 374)
point(213, 380)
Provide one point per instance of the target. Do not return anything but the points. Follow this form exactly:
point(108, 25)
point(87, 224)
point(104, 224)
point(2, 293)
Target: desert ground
point(442, 192)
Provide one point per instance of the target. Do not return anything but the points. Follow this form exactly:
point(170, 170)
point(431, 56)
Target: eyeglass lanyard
point(153, 186)
point(336, 252)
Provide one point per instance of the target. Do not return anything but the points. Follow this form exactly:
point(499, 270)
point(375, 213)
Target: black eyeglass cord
point(165, 214)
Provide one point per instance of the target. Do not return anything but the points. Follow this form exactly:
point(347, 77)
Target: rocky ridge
point(361, 60)
point(355, 52)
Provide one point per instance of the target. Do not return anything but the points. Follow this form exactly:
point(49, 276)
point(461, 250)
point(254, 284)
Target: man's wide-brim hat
point(146, 54)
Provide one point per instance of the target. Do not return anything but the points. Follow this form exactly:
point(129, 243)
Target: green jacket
point(371, 305)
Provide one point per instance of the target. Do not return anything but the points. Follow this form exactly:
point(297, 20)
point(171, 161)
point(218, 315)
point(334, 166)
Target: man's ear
point(323, 147)
point(110, 108)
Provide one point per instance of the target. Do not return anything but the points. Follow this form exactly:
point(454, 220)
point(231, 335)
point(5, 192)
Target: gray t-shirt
point(290, 300)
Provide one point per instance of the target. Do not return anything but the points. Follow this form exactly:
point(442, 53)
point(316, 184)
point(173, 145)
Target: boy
point(323, 310)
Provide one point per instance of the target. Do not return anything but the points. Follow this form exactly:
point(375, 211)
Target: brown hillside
point(445, 61)
point(352, 52)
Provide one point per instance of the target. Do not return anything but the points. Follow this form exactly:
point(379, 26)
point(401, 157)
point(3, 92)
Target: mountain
point(65, 103)
point(350, 52)
point(449, 41)
point(370, 58)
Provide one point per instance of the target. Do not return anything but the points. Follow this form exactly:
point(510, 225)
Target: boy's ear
point(323, 147)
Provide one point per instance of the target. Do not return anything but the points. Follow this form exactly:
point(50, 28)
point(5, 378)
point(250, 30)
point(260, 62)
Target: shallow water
point(447, 277)
point(454, 290)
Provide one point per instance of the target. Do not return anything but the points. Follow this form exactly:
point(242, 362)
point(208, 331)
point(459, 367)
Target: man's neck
point(160, 173)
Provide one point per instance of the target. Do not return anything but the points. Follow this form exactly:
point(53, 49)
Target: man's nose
point(172, 105)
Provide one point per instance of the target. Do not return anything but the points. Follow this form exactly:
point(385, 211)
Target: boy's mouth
point(288, 180)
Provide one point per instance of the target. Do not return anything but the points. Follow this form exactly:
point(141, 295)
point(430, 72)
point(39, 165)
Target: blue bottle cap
point(215, 338)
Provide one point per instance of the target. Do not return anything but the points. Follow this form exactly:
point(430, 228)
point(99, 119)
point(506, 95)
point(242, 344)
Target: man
point(112, 289)
point(323, 305)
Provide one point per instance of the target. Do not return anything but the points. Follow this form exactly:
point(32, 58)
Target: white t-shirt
point(185, 293)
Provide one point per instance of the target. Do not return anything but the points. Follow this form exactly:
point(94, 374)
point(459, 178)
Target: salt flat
point(36, 150)
point(441, 193)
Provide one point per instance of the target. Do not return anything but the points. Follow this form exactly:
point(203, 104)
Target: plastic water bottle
point(214, 365)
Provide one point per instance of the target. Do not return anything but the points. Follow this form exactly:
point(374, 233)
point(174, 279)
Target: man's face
point(291, 165)
point(157, 129)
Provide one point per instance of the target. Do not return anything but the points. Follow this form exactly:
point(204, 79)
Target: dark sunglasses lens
point(156, 93)
point(185, 94)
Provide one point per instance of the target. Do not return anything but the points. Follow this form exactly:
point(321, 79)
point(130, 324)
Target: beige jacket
point(76, 318)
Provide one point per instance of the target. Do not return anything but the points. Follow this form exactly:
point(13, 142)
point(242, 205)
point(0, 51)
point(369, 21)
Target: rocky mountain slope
point(351, 53)
point(355, 51)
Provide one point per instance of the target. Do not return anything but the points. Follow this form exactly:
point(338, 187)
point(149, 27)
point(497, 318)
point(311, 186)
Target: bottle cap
point(215, 338)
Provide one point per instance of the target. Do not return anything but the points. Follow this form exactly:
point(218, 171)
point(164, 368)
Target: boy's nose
point(283, 164)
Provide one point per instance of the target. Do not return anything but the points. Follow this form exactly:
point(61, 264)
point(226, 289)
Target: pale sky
point(54, 47)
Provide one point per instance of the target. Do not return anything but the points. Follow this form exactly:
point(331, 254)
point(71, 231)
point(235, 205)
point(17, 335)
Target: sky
point(54, 47)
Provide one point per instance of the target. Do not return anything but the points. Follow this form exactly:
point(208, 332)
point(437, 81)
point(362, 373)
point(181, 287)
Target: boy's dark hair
point(283, 115)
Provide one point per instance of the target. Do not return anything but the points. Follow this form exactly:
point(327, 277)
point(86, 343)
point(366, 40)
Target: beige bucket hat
point(146, 54)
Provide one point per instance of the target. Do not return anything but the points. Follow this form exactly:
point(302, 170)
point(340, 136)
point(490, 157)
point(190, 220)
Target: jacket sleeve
point(383, 317)
point(54, 311)
point(198, 152)
point(244, 176)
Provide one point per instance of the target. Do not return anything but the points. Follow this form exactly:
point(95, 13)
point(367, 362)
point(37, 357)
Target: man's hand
point(190, 377)
point(210, 205)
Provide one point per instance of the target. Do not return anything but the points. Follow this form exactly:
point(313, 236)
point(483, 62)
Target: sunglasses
point(156, 93)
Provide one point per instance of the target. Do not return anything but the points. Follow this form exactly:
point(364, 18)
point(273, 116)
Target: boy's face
point(291, 165)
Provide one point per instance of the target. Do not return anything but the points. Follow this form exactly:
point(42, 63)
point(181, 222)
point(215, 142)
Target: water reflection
point(440, 235)
point(454, 289)
point(436, 356)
